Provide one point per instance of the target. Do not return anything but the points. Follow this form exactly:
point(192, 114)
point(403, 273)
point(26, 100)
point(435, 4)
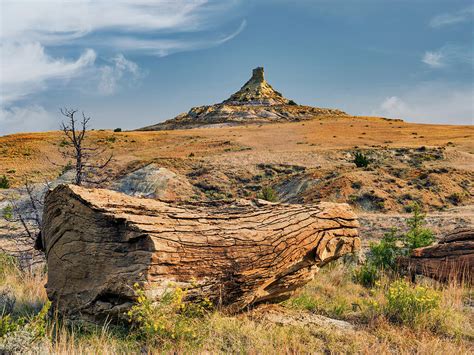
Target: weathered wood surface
point(99, 243)
point(451, 259)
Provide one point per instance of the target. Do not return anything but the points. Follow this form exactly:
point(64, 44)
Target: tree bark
point(452, 259)
point(99, 243)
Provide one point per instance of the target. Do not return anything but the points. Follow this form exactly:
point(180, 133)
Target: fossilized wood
point(451, 259)
point(99, 243)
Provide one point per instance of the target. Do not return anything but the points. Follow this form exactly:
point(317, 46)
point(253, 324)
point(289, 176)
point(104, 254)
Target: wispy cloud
point(433, 59)
point(33, 31)
point(27, 68)
point(112, 75)
point(448, 55)
point(164, 46)
point(433, 102)
point(453, 18)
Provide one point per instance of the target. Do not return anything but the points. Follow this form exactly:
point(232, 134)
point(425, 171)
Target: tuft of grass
point(4, 182)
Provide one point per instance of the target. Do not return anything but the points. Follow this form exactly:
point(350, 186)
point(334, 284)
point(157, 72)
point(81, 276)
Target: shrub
point(292, 103)
point(268, 194)
point(360, 160)
point(455, 198)
point(8, 324)
point(408, 304)
point(367, 275)
point(4, 182)
point(118, 130)
point(382, 257)
point(7, 212)
point(169, 319)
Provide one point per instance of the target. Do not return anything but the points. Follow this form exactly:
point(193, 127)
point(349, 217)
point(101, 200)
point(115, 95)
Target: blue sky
point(131, 63)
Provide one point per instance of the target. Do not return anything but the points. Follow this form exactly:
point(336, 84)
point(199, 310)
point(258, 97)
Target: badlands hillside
point(307, 161)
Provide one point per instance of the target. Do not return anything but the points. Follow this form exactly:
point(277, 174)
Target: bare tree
point(89, 163)
point(25, 213)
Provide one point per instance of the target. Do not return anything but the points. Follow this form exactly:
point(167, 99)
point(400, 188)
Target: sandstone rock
point(99, 243)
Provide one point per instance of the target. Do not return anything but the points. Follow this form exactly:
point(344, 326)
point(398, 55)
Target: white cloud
point(453, 18)
point(112, 75)
point(448, 55)
point(26, 119)
point(431, 103)
point(26, 68)
point(433, 59)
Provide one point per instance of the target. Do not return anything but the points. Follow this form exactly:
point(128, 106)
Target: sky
point(132, 63)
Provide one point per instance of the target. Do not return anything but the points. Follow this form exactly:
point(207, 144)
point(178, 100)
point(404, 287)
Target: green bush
point(4, 182)
point(292, 103)
point(8, 324)
point(7, 212)
point(268, 194)
point(168, 320)
point(118, 130)
point(360, 160)
point(407, 304)
point(382, 256)
point(367, 275)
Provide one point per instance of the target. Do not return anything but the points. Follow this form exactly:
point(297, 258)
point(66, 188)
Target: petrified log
point(99, 243)
point(451, 259)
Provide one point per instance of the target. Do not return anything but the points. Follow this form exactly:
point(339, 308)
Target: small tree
point(418, 236)
point(88, 161)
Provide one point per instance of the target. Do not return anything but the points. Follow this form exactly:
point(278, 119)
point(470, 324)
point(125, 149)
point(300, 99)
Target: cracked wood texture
point(451, 259)
point(99, 243)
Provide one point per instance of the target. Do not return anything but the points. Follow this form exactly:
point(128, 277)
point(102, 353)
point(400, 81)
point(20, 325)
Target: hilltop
point(255, 102)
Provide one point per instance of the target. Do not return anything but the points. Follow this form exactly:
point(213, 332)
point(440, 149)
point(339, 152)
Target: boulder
point(157, 182)
point(99, 243)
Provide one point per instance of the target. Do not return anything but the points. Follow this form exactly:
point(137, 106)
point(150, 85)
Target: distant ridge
point(255, 102)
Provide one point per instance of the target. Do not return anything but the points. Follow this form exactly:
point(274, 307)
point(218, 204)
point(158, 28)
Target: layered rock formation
point(99, 243)
point(255, 102)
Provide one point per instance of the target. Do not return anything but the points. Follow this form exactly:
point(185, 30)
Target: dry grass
point(30, 155)
point(332, 293)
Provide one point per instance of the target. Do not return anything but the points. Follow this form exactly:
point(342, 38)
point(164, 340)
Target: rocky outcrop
point(153, 181)
point(99, 243)
point(257, 91)
point(451, 259)
point(255, 102)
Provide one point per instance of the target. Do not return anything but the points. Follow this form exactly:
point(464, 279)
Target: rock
point(451, 259)
point(99, 243)
point(286, 317)
point(152, 181)
point(255, 102)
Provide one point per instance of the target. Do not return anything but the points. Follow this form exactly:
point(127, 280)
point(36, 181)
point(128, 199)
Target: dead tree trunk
point(99, 243)
point(452, 259)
